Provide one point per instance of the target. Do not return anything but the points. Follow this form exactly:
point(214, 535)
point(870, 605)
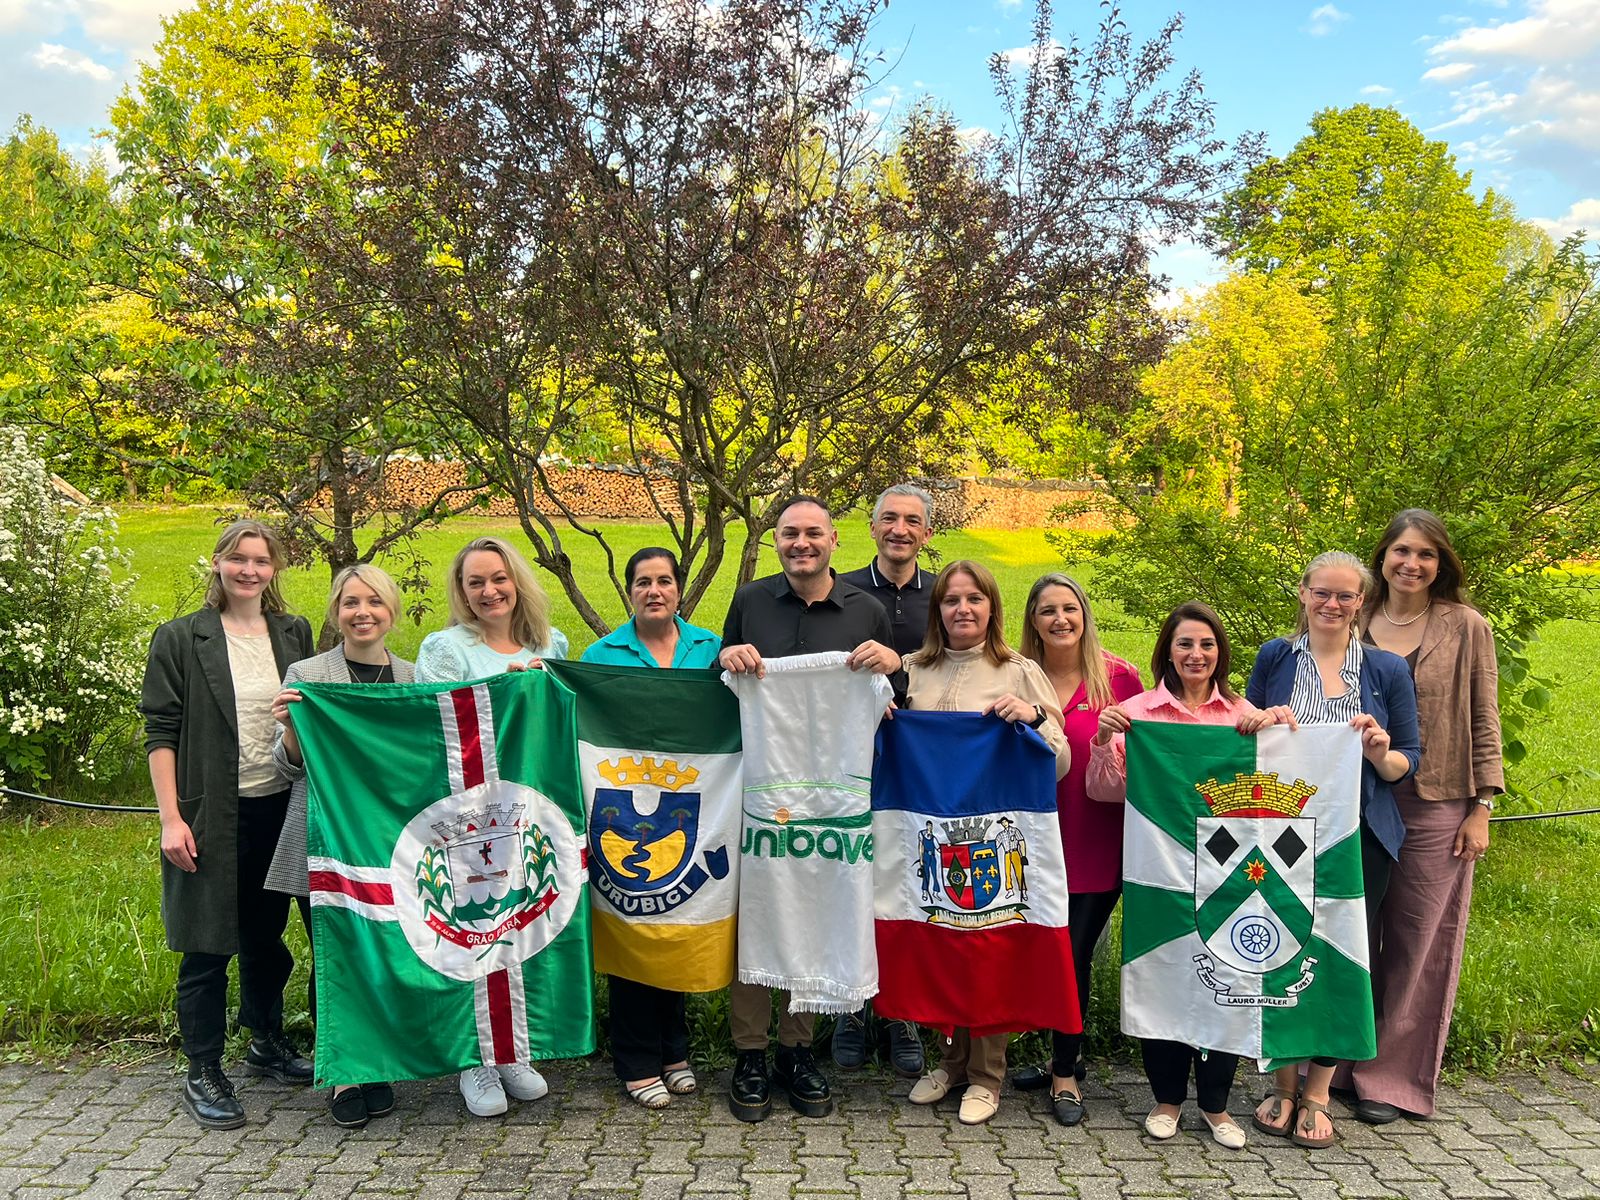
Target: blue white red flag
point(970, 884)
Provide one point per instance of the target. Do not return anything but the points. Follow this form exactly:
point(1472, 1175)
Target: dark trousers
point(649, 1028)
point(1167, 1065)
point(265, 963)
point(1087, 914)
point(1375, 867)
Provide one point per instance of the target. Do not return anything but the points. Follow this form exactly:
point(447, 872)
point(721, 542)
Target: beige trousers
point(976, 1060)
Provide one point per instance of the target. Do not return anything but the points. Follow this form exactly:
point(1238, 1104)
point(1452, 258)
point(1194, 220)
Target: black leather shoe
point(348, 1108)
point(1031, 1079)
point(749, 1096)
point(1376, 1112)
point(795, 1070)
point(379, 1099)
point(274, 1054)
point(208, 1097)
point(1069, 1109)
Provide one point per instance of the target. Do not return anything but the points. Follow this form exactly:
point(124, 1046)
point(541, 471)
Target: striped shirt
point(1309, 702)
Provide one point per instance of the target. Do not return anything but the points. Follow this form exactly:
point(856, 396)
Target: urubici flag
point(659, 755)
point(971, 883)
point(445, 831)
point(1243, 923)
point(805, 871)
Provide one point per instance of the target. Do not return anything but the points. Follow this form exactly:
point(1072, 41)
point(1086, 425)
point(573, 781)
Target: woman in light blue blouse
point(499, 621)
point(649, 1025)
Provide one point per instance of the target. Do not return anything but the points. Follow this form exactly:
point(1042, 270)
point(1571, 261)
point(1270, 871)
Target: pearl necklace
point(1403, 624)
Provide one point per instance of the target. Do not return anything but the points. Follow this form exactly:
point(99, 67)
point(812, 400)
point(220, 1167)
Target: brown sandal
point(1280, 1099)
point(1303, 1127)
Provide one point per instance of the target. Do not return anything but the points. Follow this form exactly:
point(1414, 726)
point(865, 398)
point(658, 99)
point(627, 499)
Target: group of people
point(1391, 648)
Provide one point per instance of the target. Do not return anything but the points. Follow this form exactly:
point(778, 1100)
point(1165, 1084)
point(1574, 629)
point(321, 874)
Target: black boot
point(748, 1094)
point(208, 1097)
point(795, 1070)
point(272, 1053)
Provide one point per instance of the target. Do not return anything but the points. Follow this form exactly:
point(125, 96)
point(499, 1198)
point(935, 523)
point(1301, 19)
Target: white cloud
point(1023, 56)
point(1324, 19)
point(52, 57)
point(1554, 31)
point(128, 25)
point(1584, 215)
point(1008, 5)
point(1535, 104)
point(1377, 89)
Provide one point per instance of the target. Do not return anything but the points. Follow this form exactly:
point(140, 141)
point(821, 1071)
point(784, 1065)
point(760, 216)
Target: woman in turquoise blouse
point(649, 1025)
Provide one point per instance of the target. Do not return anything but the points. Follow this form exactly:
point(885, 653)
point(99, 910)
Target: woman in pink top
point(1190, 666)
point(1058, 633)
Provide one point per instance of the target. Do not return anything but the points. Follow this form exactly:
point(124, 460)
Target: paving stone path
point(95, 1131)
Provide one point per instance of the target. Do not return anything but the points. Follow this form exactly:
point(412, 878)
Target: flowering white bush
point(71, 640)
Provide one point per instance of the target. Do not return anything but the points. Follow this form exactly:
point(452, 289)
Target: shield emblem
point(1255, 888)
point(643, 852)
point(971, 873)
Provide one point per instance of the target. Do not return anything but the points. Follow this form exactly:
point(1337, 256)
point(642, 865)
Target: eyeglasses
point(1323, 595)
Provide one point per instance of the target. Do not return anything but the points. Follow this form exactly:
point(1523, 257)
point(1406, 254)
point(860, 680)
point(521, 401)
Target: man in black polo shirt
point(902, 523)
point(805, 610)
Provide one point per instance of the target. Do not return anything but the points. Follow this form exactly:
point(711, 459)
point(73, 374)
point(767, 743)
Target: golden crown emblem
point(1256, 795)
point(665, 773)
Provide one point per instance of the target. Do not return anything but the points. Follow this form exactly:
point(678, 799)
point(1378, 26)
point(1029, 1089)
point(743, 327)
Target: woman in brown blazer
point(1418, 611)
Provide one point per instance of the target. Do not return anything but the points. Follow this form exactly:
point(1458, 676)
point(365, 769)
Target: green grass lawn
point(83, 960)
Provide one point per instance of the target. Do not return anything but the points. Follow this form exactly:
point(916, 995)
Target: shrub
point(71, 640)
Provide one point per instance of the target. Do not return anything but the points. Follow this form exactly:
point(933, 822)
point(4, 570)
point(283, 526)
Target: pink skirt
point(1417, 962)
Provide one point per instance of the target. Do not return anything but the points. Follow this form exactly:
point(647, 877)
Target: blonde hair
point(937, 642)
point(1342, 560)
point(1096, 677)
point(271, 596)
point(375, 578)
point(530, 619)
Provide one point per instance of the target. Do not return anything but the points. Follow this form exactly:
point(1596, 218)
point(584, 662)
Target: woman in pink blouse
point(1190, 666)
point(1058, 633)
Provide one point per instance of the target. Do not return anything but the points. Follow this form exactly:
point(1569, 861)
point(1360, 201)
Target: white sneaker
point(522, 1082)
point(481, 1089)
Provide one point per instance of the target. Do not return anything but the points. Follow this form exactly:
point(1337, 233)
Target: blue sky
point(1512, 85)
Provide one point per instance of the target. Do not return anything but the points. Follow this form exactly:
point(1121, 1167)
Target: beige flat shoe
point(978, 1105)
point(931, 1088)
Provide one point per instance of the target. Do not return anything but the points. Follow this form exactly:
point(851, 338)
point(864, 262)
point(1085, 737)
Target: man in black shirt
point(902, 523)
point(805, 610)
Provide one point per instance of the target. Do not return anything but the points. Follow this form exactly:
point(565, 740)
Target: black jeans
point(265, 963)
point(1166, 1066)
point(649, 1028)
point(1087, 914)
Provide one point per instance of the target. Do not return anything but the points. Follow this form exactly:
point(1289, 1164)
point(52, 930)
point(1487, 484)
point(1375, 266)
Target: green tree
point(68, 347)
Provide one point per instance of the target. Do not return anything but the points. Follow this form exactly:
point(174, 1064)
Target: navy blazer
point(1387, 693)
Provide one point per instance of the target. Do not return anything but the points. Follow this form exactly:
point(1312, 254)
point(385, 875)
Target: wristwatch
point(1486, 801)
point(1038, 720)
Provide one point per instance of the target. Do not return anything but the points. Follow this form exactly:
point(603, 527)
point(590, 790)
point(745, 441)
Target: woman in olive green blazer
point(207, 705)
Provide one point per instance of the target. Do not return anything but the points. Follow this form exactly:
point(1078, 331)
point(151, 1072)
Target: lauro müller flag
point(659, 754)
point(1243, 923)
point(805, 871)
point(971, 897)
point(445, 829)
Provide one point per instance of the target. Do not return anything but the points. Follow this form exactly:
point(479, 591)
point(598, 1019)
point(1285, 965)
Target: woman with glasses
point(1324, 673)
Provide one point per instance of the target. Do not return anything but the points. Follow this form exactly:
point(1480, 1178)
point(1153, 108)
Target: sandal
point(1281, 1099)
point(1303, 1127)
point(680, 1081)
point(651, 1095)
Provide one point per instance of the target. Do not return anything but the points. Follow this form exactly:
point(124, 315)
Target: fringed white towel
point(805, 871)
